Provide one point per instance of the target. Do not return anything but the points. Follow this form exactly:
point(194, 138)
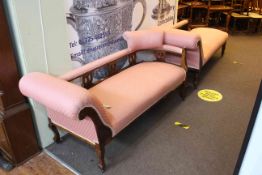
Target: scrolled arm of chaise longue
point(66, 104)
point(62, 97)
point(174, 41)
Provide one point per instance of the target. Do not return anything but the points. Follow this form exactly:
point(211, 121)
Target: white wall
point(252, 162)
point(40, 34)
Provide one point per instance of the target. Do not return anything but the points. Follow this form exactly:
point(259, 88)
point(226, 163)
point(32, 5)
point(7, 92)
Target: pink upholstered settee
point(98, 111)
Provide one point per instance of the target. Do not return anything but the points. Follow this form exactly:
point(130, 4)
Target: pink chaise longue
point(97, 111)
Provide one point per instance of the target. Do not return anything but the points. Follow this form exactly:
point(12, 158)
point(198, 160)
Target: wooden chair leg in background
point(223, 49)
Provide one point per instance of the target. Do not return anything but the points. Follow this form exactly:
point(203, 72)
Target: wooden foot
point(56, 137)
point(5, 163)
point(195, 79)
point(182, 91)
point(103, 132)
point(100, 151)
point(223, 49)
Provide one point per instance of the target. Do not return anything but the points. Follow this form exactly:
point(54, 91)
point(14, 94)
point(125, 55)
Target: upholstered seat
point(133, 91)
point(124, 97)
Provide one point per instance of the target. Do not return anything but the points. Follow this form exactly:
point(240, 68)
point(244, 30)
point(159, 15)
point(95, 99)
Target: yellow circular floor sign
point(210, 95)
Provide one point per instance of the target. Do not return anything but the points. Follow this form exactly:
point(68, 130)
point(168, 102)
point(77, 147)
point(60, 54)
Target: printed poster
point(95, 27)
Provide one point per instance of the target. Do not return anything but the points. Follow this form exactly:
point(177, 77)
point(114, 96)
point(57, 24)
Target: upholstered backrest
point(181, 38)
point(73, 74)
point(188, 40)
point(158, 37)
point(143, 39)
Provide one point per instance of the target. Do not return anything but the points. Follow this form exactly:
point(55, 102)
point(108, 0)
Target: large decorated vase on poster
point(96, 26)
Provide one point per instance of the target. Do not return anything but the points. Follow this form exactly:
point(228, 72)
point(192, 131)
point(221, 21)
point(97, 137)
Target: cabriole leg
point(56, 137)
point(100, 151)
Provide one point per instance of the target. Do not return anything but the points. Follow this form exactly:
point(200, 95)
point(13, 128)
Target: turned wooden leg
point(257, 25)
point(196, 79)
point(234, 25)
point(100, 151)
point(182, 91)
point(223, 49)
point(5, 162)
point(56, 137)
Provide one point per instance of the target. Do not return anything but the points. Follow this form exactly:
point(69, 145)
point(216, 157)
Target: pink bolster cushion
point(143, 39)
point(56, 94)
point(181, 38)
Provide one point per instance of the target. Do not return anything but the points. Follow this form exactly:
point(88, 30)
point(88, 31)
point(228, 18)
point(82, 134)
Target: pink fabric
point(212, 40)
point(192, 56)
point(93, 65)
point(60, 96)
point(173, 54)
point(171, 48)
point(134, 90)
point(84, 128)
point(128, 94)
point(143, 39)
point(174, 39)
point(51, 91)
point(181, 38)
